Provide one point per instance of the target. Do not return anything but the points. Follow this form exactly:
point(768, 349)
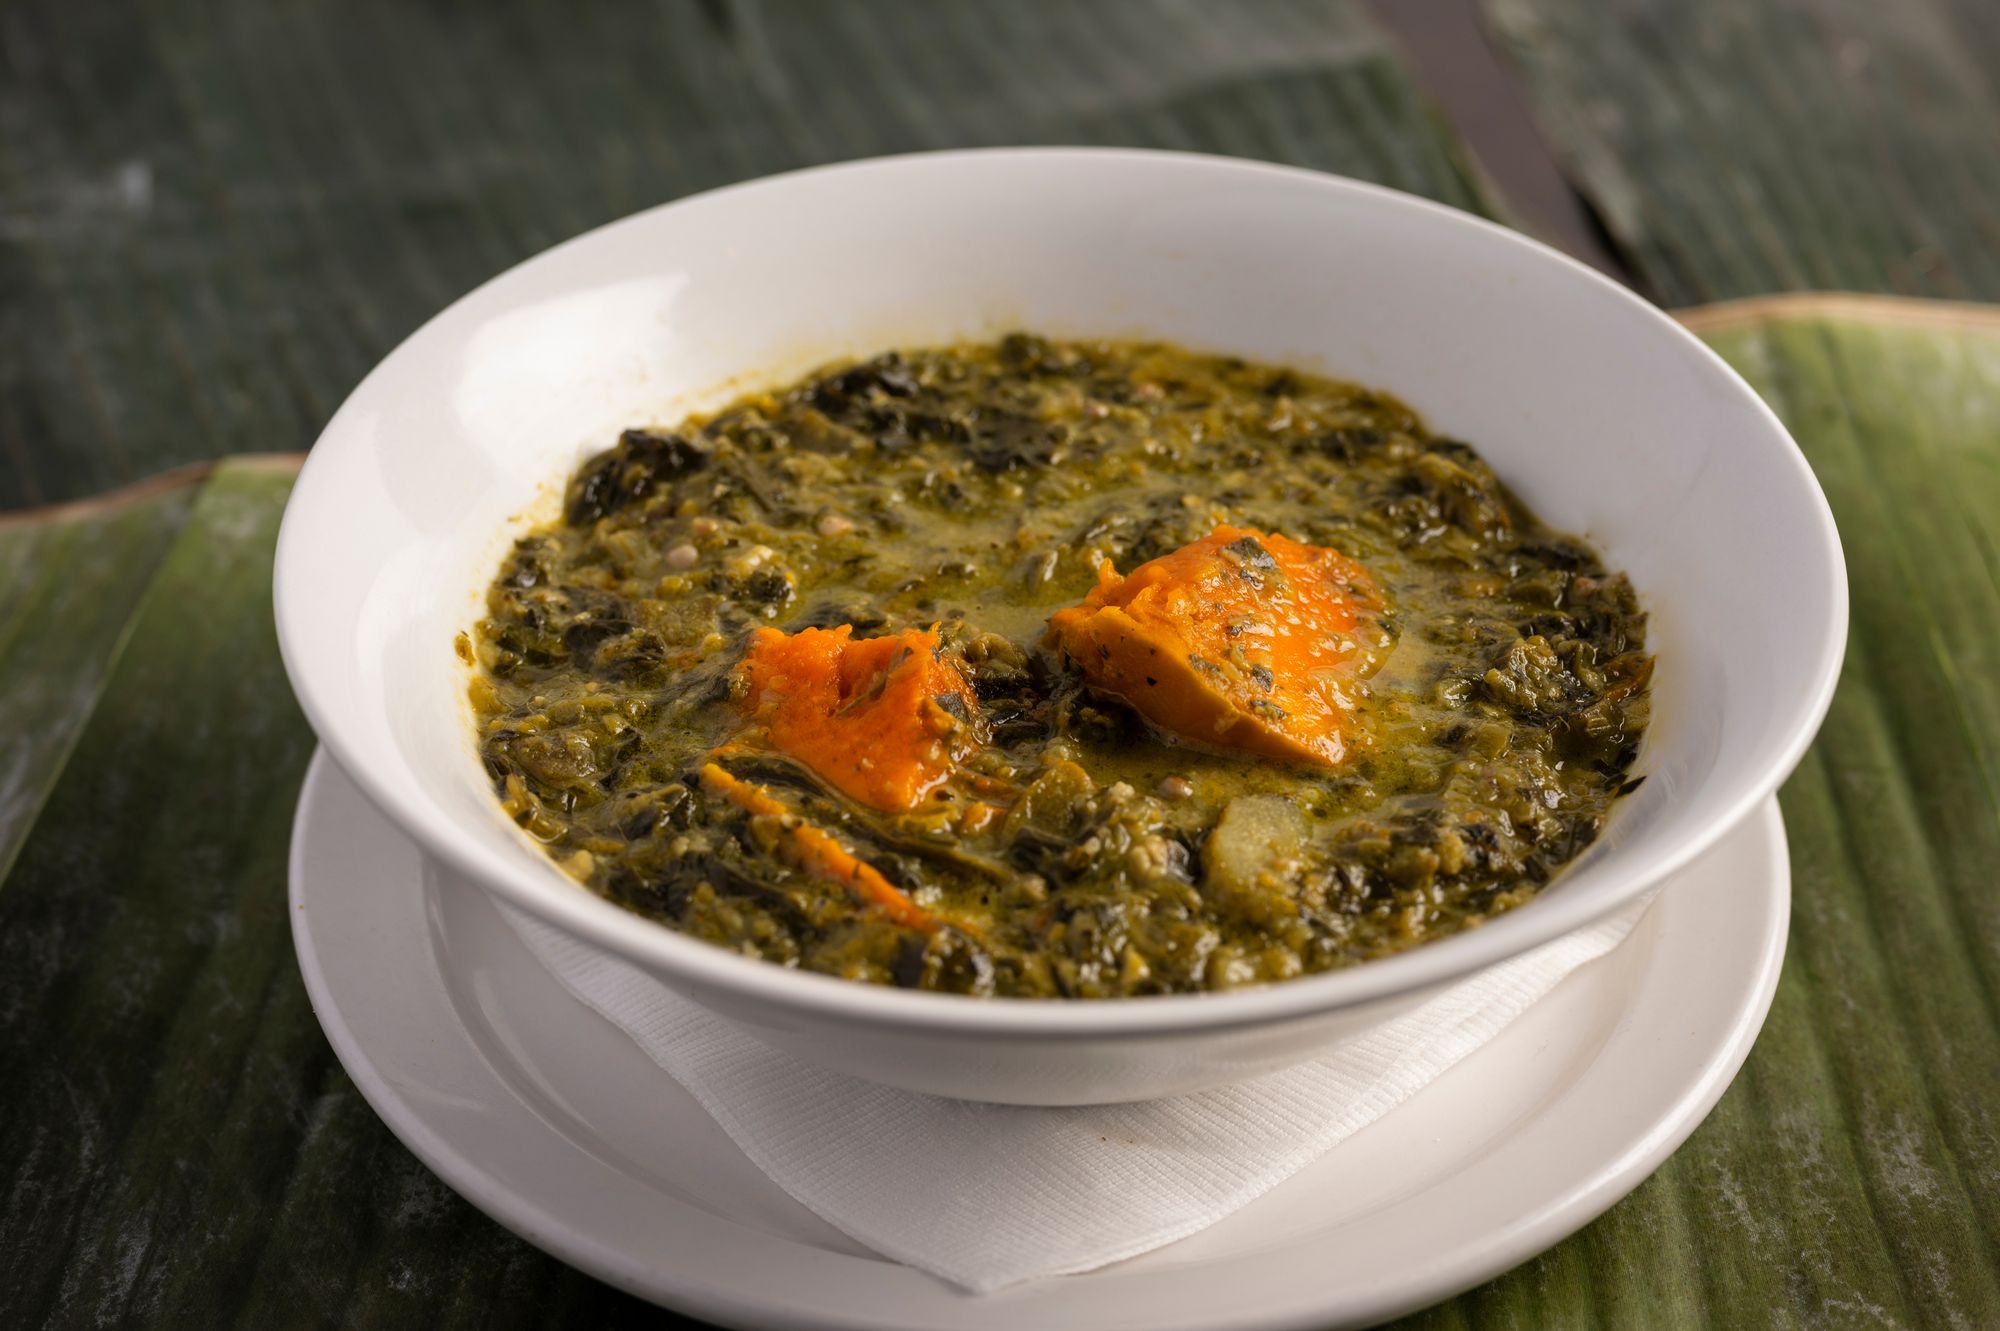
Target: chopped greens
point(1057, 669)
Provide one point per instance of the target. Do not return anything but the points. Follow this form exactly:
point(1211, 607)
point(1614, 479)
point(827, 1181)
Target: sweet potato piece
point(1236, 641)
point(883, 720)
point(818, 853)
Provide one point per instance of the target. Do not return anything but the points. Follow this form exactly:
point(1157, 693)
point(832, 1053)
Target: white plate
point(551, 1121)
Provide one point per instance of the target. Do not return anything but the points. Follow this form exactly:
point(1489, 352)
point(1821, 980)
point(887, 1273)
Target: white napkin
point(985, 1196)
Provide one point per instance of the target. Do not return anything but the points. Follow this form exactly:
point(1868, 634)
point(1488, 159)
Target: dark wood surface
point(213, 219)
point(218, 217)
point(1450, 55)
point(1734, 148)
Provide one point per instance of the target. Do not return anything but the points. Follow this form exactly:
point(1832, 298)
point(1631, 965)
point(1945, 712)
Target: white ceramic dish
point(555, 1123)
point(1604, 414)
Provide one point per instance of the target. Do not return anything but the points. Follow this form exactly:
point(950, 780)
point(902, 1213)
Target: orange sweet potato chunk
point(883, 720)
point(1239, 640)
point(819, 854)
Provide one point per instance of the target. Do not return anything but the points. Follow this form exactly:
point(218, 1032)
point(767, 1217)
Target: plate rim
point(1553, 1219)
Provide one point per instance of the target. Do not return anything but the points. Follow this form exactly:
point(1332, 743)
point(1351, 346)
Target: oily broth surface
point(978, 488)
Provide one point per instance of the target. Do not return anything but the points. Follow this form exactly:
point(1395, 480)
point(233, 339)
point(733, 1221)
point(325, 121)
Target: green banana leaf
point(68, 583)
point(1851, 1175)
point(177, 1144)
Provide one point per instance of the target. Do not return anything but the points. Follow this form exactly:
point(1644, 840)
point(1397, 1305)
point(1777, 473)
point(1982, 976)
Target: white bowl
point(1601, 412)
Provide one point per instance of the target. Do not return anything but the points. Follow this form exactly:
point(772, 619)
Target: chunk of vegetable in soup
point(1238, 640)
point(1065, 669)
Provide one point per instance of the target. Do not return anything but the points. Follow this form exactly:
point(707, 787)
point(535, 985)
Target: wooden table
point(214, 219)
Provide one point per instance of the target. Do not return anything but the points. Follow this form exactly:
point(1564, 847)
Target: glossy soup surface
point(1057, 669)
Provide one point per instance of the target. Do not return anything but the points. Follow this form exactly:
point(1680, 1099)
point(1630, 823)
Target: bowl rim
point(716, 971)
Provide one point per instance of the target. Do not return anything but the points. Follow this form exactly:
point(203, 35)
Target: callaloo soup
point(1068, 669)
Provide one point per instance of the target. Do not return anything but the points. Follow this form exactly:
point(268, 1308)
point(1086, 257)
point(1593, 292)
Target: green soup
point(1063, 841)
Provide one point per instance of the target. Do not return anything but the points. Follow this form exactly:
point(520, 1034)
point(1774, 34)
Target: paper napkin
point(985, 1196)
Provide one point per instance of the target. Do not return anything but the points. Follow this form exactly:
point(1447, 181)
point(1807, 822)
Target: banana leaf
point(69, 580)
point(1851, 1175)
